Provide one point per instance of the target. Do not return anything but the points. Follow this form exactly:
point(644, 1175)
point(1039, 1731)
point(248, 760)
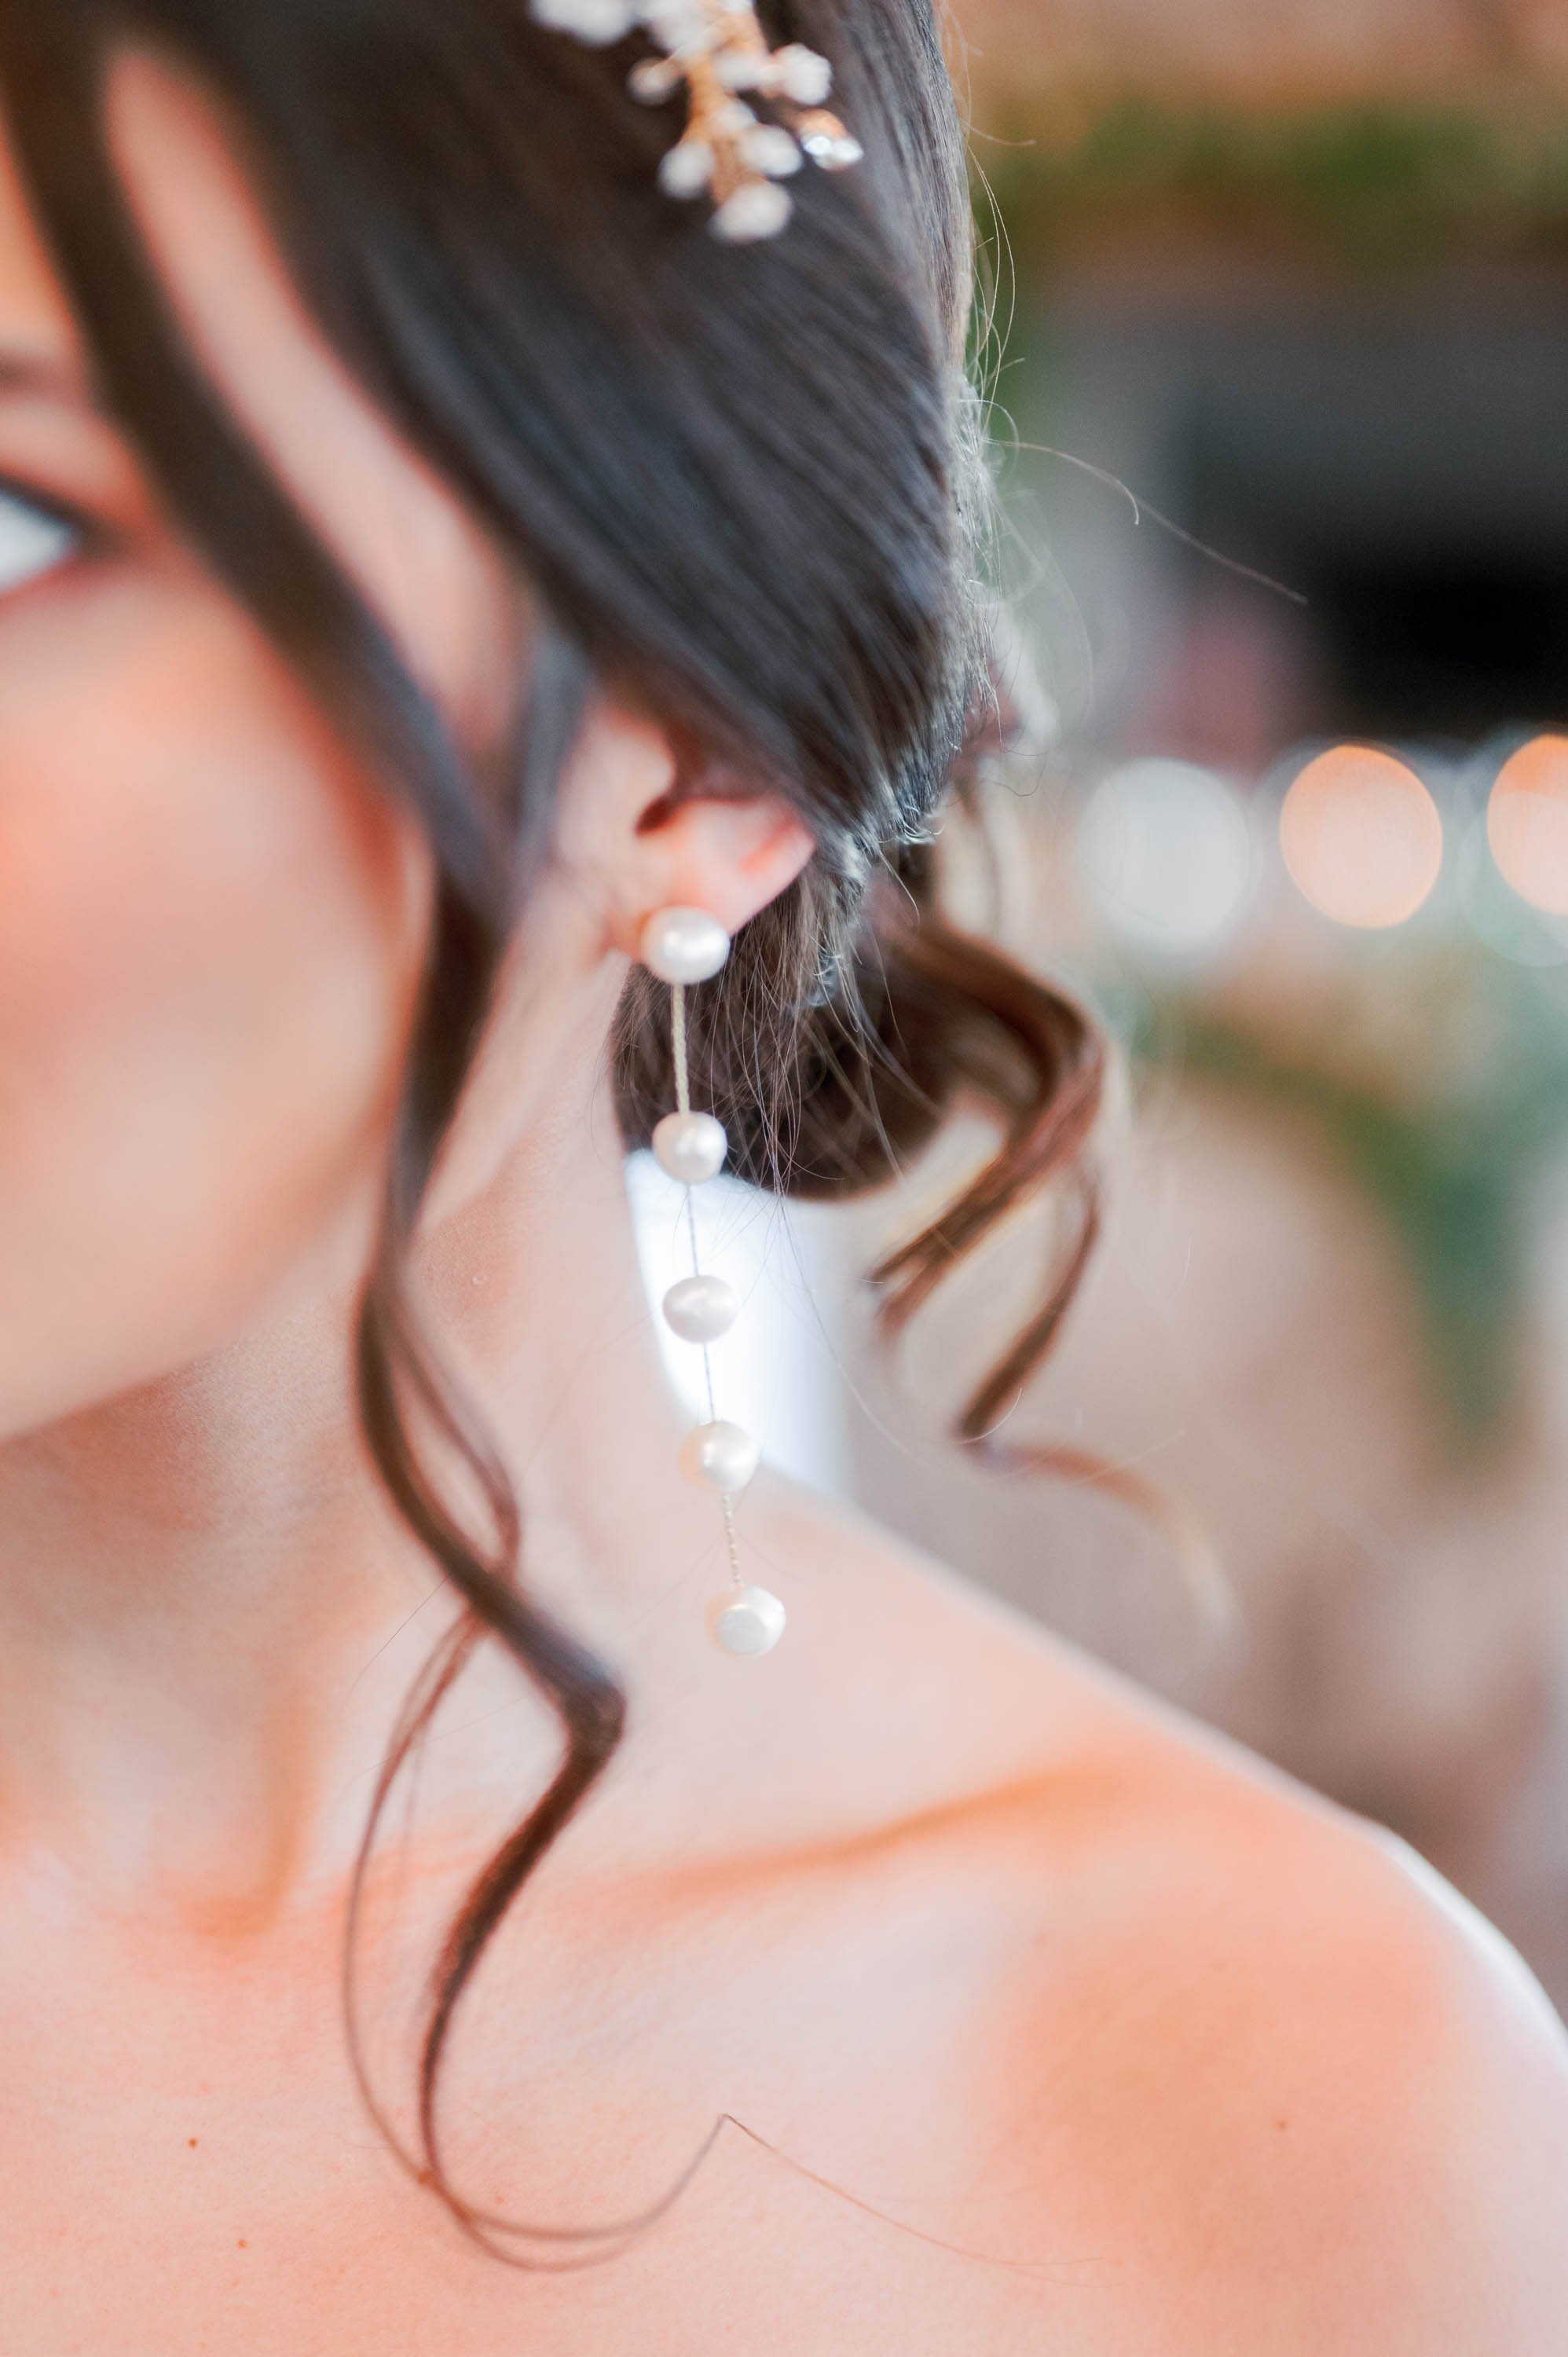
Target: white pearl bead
point(690, 1146)
point(759, 208)
point(684, 944)
point(678, 24)
point(834, 151)
point(684, 171)
point(771, 149)
point(801, 75)
point(747, 1621)
point(595, 22)
point(653, 80)
point(701, 1308)
point(719, 1456)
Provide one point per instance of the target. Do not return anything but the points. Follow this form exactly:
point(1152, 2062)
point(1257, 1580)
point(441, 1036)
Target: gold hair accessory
point(717, 52)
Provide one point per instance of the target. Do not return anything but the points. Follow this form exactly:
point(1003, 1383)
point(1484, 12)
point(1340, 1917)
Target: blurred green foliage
point(1382, 177)
point(1463, 1162)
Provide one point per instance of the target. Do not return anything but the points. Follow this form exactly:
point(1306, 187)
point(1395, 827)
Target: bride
point(487, 619)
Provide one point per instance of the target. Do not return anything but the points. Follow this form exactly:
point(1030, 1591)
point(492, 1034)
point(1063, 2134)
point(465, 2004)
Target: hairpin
point(717, 52)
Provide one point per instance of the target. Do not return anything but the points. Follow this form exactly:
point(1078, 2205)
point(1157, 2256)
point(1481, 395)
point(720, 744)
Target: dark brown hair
point(745, 489)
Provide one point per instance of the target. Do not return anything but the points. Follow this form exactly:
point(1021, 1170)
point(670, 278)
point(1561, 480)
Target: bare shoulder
point(1249, 2044)
point(1329, 2100)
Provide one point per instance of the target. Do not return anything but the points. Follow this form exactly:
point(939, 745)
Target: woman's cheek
point(211, 930)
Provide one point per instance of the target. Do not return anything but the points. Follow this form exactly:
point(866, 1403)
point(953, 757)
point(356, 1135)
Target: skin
point(1177, 2057)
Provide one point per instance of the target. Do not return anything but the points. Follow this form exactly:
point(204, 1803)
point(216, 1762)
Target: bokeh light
point(1167, 851)
point(1361, 836)
point(1504, 920)
point(1526, 823)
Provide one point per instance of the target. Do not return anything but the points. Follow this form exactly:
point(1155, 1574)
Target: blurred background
point(1297, 279)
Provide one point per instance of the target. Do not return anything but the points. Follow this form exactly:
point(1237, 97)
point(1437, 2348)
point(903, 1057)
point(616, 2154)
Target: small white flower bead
point(830, 146)
point(760, 209)
point(684, 944)
point(771, 149)
point(747, 1621)
point(690, 1146)
point(801, 75)
point(688, 167)
point(721, 1457)
point(846, 152)
point(683, 26)
point(653, 80)
point(596, 23)
point(701, 1308)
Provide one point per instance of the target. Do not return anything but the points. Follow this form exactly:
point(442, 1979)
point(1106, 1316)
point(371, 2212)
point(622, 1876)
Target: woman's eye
point(32, 542)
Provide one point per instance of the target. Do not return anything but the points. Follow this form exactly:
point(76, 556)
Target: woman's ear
point(647, 823)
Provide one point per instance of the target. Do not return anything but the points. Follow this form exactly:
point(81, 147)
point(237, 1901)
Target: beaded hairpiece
point(717, 52)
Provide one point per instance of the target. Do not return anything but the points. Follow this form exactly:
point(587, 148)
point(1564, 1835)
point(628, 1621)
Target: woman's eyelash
point(37, 537)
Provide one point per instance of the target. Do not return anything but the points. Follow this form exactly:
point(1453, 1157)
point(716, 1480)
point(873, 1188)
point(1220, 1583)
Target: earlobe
point(651, 824)
point(721, 841)
point(730, 858)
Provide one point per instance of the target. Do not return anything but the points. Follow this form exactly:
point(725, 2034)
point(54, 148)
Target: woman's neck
point(209, 1616)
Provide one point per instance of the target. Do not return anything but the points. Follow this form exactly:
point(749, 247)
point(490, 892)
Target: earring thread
point(683, 1103)
point(682, 946)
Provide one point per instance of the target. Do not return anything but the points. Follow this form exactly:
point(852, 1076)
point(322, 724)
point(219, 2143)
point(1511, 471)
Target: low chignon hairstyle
point(745, 487)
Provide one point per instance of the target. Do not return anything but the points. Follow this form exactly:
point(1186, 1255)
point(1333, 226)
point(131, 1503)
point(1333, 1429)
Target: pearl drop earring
point(682, 946)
